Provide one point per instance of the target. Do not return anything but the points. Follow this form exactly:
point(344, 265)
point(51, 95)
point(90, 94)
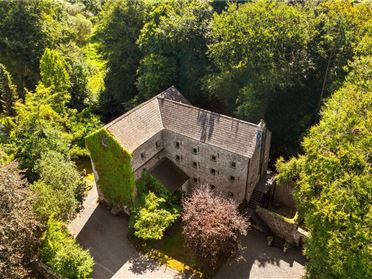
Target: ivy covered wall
point(113, 166)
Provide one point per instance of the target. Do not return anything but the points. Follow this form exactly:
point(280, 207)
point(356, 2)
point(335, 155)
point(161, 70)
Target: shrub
point(113, 165)
point(59, 188)
point(212, 224)
point(19, 228)
point(65, 257)
point(154, 211)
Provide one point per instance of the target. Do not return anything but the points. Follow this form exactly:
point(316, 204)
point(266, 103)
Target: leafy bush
point(154, 211)
point(113, 165)
point(63, 254)
point(59, 188)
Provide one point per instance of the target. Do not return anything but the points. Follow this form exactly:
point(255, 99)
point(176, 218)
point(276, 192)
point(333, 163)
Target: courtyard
point(105, 235)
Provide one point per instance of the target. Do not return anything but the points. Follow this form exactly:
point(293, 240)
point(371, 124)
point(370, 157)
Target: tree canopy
point(333, 180)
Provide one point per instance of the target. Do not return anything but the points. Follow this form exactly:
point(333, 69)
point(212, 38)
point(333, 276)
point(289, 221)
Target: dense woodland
point(69, 66)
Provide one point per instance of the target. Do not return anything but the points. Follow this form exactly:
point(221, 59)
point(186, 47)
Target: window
point(104, 141)
point(230, 194)
point(177, 144)
point(232, 178)
point(195, 179)
point(212, 186)
point(195, 164)
point(144, 170)
point(178, 157)
point(143, 155)
point(233, 164)
point(213, 171)
point(195, 150)
point(214, 158)
point(157, 144)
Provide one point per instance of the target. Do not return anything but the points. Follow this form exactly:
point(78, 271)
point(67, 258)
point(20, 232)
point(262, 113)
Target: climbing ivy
point(113, 166)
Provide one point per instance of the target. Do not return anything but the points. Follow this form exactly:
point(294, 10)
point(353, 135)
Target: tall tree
point(333, 180)
point(173, 42)
point(212, 224)
point(19, 227)
point(53, 72)
point(119, 27)
point(257, 48)
point(8, 92)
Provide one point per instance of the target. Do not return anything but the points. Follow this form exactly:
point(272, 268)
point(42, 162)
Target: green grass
point(113, 165)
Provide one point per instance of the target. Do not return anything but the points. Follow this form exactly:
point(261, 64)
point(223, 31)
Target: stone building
point(183, 145)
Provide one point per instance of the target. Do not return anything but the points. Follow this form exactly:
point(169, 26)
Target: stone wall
point(204, 163)
point(281, 226)
point(207, 164)
point(283, 194)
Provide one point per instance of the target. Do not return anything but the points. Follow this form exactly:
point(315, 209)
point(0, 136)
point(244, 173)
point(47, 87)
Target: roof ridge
point(205, 110)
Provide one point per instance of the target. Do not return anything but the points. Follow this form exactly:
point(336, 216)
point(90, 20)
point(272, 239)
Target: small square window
point(233, 164)
point(195, 179)
point(232, 178)
point(143, 155)
point(231, 194)
point(195, 150)
point(178, 157)
point(157, 144)
point(177, 144)
point(195, 164)
point(213, 171)
point(214, 158)
point(212, 186)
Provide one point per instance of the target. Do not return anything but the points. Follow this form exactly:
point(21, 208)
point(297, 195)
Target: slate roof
point(170, 110)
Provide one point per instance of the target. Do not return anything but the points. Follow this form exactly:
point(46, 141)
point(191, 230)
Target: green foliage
point(8, 92)
point(80, 125)
point(37, 128)
point(53, 71)
point(113, 165)
point(334, 182)
point(59, 187)
point(154, 211)
point(173, 42)
point(119, 26)
point(153, 219)
point(61, 252)
point(256, 56)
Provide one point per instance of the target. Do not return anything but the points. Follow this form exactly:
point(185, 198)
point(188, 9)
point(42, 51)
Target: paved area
point(263, 262)
point(105, 236)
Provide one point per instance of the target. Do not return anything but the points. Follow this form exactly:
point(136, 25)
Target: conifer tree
point(53, 72)
point(8, 92)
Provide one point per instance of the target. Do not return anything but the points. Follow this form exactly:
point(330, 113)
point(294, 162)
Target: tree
point(212, 224)
point(53, 72)
point(59, 187)
point(257, 48)
point(155, 209)
point(61, 252)
point(19, 227)
point(173, 42)
point(333, 180)
point(119, 26)
point(153, 218)
point(37, 128)
point(8, 92)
